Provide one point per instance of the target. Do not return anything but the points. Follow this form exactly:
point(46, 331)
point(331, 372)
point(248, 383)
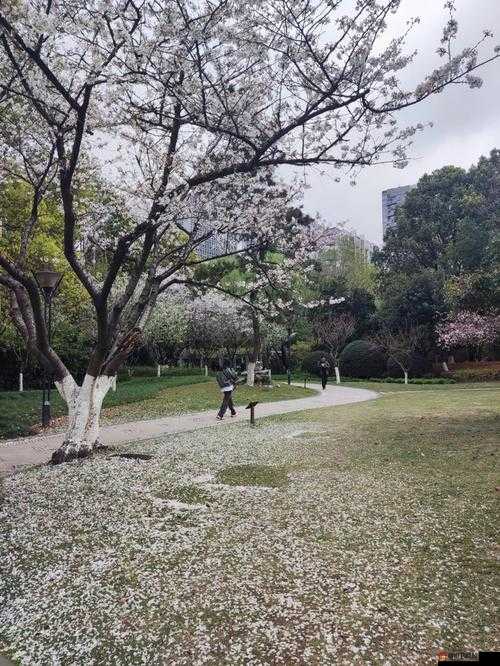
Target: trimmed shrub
point(481, 373)
point(362, 359)
point(421, 380)
point(400, 380)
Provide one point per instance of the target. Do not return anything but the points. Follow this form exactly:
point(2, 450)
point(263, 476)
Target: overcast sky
point(466, 122)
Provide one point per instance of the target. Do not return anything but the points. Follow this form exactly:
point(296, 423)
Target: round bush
point(362, 359)
point(311, 361)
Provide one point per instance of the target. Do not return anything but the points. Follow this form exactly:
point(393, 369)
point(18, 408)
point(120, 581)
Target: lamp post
point(48, 282)
point(288, 343)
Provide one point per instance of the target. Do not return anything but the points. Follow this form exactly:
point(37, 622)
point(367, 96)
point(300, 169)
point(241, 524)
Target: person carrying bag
point(227, 380)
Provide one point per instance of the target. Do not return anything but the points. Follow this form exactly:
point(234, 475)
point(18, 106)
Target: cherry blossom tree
point(468, 329)
point(166, 332)
point(216, 326)
point(179, 105)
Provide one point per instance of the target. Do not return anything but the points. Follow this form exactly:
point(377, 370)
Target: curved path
point(17, 453)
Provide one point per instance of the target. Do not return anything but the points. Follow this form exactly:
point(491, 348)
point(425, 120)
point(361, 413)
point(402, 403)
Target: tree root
point(71, 450)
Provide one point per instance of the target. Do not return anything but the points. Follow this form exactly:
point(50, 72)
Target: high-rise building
point(217, 245)
point(335, 237)
point(391, 200)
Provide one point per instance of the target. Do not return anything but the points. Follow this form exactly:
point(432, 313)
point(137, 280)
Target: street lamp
point(288, 343)
point(48, 282)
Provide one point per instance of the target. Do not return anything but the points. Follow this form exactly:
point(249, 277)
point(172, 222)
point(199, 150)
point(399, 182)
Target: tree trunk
point(21, 382)
point(256, 351)
point(84, 410)
point(337, 374)
point(250, 373)
point(158, 370)
point(406, 376)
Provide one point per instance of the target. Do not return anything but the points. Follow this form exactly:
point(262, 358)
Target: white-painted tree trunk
point(250, 373)
point(206, 371)
point(406, 376)
point(84, 410)
point(113, 383)
point(158, 370)
point(445, 367)
point(337, 375)
point(21, 382)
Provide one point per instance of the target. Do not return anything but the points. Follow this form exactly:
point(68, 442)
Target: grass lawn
point(135, 399)
point(362, 534)
point(388, 387)
point(196, 398)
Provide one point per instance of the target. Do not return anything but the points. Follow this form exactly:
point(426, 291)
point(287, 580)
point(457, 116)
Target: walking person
point(324, 371)
point(227, 380)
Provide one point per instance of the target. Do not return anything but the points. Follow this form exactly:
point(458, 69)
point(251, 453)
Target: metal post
point(48, 282)
point(46, 374)
point(289, 353)
point(251, 407)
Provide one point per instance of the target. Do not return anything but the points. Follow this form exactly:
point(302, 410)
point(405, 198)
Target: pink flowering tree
point(468, 329)
point(178, 105)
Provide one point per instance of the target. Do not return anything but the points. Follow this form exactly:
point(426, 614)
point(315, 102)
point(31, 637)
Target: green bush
point(311, 361)
point(300, 351)
point(481, 373)
point(419, 380)
point(362, 359)
point(400, 380)
point(127, 372)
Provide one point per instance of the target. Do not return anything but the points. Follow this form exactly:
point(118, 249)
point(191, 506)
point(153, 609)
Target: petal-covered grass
point(363, 534)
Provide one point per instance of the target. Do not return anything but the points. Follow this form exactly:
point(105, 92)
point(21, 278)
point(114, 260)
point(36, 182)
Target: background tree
point(347, 265)
point(442, 254)
point(166, 333)
point(399, 346)
point(174, 102)
point(334, 332)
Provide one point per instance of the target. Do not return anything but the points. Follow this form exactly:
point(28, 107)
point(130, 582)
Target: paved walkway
point(17, 453)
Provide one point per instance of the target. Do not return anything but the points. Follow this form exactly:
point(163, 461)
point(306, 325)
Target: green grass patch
point(253, 475)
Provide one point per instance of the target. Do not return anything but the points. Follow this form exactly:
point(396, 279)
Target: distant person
point(324, 371)
point(227, 380)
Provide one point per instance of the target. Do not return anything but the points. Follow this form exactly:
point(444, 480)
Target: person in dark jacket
point(227, 380)
point(324, 371)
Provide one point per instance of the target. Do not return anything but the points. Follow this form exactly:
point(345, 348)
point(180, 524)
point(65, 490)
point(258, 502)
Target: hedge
point(362, 359)
point(400, 380)
point(478, 374)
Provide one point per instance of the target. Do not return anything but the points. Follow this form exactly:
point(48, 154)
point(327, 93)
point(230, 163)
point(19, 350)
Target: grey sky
point(466, 122)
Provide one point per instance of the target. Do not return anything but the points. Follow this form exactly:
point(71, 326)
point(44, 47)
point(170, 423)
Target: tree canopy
point(442, 253)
